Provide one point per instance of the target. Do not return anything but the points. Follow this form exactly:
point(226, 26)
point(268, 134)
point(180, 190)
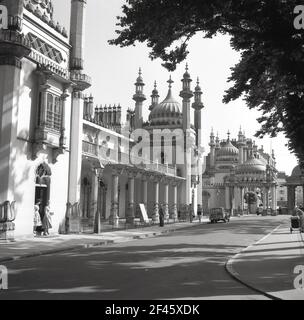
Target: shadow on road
point(188, 264)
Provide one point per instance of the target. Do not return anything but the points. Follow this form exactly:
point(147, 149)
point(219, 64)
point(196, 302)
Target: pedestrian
point(47, 219)
point(199, 213)
point(191, 213)
point(161, 217)
point(37, 220)
point(300, 214)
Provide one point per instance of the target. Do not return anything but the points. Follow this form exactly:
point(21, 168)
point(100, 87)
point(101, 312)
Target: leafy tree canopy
point(269, 74)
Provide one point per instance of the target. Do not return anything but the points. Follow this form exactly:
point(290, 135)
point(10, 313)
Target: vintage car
point(219, 214)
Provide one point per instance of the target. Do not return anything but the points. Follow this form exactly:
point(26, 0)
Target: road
point(187, 264)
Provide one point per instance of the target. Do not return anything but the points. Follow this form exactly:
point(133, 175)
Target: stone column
point(166, 201)
point(145, 192)
point(174, 215)
point(131, 206)
point(235, 199)
point(64, 97)
point(242, 200)
point(75, 149)
point(291, 198)
point(156, 201)
point(96, 212)
point(114, 219)
point(227, 198)
point(265, 194)
point(273, 196)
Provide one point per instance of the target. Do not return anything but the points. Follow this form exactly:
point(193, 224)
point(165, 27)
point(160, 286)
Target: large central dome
point(253, 165)
point(167, 112)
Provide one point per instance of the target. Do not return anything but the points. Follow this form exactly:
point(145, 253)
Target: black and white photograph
point(151, 152)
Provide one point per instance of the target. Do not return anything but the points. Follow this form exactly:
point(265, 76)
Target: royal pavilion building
point(58, 146)
point(235, 167)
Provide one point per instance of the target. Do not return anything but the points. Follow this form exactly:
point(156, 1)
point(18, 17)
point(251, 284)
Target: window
point(54, 112)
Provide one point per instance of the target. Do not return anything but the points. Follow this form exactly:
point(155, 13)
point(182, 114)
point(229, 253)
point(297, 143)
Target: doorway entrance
point(42, 187)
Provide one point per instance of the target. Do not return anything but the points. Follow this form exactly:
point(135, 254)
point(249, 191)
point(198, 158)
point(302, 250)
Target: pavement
point(273, 266)
point(30, 246)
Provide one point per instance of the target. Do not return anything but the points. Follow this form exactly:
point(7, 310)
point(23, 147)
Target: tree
point(270, 73)
point(250, 198)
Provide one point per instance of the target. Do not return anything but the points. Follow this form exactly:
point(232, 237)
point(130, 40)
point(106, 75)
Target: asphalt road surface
point(187, 264)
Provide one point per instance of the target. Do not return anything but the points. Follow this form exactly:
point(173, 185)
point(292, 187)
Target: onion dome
point(228, 150)
point(140, 78)
point(168, 111)
point(187, 74)
point(253, 165)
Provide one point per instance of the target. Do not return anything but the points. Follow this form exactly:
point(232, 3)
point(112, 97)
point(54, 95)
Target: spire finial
point(155, 84)
point(139, 72)
point(170, 81)
point(198, 81)
point(187, 67)
point(228, 133)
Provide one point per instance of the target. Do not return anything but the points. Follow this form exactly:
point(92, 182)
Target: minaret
point(198, 107)
point(77, 32)
point(139, 98)
point(186, 94)
point(217, 142)
point(154, 97)
point(241, 145)
point(212, 145)
point(82, 82)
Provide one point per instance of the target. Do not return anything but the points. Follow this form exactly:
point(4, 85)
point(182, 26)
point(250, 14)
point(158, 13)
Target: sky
point(114, 71)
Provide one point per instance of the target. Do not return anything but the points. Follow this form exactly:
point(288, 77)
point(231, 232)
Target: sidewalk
point(268, 265)
point(30, 246)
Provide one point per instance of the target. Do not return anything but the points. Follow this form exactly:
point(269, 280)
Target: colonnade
point(145, 178)
point(291, 196)
point(234, 197)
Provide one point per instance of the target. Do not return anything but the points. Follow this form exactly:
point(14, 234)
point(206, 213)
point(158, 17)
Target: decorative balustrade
point(76, 76)
point(115, 156)
point(13, 43)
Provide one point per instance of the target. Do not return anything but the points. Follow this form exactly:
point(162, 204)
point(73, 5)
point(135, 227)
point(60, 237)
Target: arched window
point(43, 174)
point(162, 158)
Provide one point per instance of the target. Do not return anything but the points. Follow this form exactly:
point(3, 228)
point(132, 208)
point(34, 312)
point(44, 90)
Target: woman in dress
point(47, 220)
point(37, 220)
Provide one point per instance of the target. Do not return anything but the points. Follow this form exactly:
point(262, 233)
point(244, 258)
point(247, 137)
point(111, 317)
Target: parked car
point(219, 214)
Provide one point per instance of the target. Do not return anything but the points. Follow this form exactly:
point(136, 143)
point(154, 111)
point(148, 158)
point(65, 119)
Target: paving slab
point(269, 265)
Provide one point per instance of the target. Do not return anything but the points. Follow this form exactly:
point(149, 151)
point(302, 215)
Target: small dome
point(253, 165)
point(228, 150)
point(167, 112)
point(296, 171)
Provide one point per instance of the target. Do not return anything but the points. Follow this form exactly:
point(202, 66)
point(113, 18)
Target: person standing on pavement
point(300, 214)
point(47, 219)
point(161, 216)
point(199, 212)
point(37, 220)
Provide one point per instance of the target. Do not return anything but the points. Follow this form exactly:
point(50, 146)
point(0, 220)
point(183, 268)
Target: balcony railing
point(120, 157)
point(13, 36)
point(82, 80)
